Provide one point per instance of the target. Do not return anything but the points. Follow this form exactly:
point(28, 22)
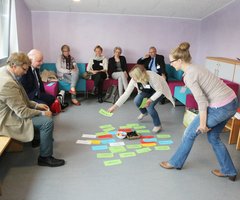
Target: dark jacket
point(30, 84)
point(159, 61)
point(112, 67)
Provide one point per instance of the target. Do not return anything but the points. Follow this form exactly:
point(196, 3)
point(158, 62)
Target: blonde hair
point(18, 59)
point(65, 46)
point(117, 48)
point(182, 52)
point(139, 73)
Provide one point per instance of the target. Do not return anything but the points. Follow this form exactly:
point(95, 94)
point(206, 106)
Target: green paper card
point(132, 125)
point(117, 149)
point(143, 150)
point(134, 146)
point(112, 162)
point(123, 127)
point(105, 113)
point(162, 148)
point(101, 133)
point(139, 127)
point(127, 154)
point(106, 126)
point(109, 129)
point(105, 155)
point(144, 103)
point(163, 136)
point(143, 131)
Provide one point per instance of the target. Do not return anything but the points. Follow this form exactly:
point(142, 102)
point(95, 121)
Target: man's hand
point(42, 106)
point(48, 113)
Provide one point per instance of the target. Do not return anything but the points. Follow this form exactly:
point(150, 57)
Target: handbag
point(56, 107)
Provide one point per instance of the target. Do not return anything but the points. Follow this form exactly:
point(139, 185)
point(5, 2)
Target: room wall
point(24, 26)
point(133, 33)
point(220, 33)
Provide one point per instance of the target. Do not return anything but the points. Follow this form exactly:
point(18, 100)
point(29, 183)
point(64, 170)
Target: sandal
point(76, 102)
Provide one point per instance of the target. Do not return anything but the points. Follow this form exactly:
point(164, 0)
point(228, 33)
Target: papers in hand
point(144, 103)
point(105, 113)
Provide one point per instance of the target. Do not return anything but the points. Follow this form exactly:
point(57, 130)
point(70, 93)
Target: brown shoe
point(217, 172)
point(166, 165)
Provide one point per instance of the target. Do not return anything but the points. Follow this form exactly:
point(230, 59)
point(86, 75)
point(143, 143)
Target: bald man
point(32, 82)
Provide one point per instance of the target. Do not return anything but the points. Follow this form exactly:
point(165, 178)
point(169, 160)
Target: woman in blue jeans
point(217, 103)
point(150, 86)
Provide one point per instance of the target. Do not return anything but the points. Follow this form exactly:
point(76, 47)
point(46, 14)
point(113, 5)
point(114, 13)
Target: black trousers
point(98, 81)
point(44, 98)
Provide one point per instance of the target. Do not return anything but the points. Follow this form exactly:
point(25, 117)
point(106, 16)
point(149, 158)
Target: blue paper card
point(50, 84)
point(165, 142)
point(112, 132)
point(99, 147)
point(107, 141)
point(150, 140)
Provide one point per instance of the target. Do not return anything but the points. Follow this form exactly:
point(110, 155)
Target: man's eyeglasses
point(24, 69)
point(173, 61)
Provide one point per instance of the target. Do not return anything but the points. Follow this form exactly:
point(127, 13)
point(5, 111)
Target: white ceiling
point(191, 9)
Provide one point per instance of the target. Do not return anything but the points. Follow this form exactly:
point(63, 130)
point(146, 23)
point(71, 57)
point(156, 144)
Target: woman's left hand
point(203, 129)
point(149, 101)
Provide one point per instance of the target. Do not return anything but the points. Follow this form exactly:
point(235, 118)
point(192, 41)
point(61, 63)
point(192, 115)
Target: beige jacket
point(16, 110)
point(157, 82)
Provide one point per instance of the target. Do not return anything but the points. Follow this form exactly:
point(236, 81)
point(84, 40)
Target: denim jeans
point(150, 109)
point(216, 120)
point(45, 126)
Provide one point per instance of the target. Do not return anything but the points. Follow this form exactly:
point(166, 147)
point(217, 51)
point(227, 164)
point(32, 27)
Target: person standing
point(19, 116)
point(217, 103)
point(117, 69)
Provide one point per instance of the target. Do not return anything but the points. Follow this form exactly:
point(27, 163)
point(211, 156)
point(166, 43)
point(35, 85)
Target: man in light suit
point(31, 81)
point(19, 116)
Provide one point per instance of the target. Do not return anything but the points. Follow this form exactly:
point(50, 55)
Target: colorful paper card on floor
point(149, 144)
point(112, 162)
point(139, 127)
point(117, 144)
point(112, 132)
point(88, 136)
point(109, 129)
point(143, 150)
point(162, 148)
point(117, 149)
point(162, 142)
point(106, 126)
point(124, 127)
point(146, 136)
point(149, 139)
point(105, 113)
point(127, 154)
point(105, 155)
point(132, 125)
point(107, 141)
point(95, 141)
point(144, 103)
point(143, 131)
point(134, 146)
point(127, 130)
point(163, 136)
point(101, 133)
point(105, 136)
point(99, 147)
point(83, 142)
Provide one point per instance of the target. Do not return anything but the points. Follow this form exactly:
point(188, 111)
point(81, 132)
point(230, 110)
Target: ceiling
point(190, 9)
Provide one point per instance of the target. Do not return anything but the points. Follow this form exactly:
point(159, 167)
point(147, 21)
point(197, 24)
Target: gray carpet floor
point(138, 178)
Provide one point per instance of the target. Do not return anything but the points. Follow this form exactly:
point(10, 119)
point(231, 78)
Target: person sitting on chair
point(32, 82)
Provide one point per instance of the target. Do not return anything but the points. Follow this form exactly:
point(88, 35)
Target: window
point(4, 29)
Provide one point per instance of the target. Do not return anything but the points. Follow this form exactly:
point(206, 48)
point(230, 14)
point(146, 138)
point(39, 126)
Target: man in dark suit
point(32, 82)
point(154, 62)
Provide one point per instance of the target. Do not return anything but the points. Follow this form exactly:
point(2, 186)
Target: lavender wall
point(24, 26)
point(220, 33)
point(133, 33)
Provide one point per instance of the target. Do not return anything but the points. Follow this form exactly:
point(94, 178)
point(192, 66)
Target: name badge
point(101, 64)
point(158, 67)
point(147, 86)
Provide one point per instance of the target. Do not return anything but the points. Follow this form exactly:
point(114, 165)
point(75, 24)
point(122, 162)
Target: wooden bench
point(9, 145)
point(234, 136)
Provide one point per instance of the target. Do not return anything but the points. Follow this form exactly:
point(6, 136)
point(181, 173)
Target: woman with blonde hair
point(217, 103)
point(149, 85)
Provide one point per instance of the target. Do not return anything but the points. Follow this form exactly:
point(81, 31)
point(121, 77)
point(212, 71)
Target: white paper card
point(89, 136)
point(83, 142)
point(114, 144)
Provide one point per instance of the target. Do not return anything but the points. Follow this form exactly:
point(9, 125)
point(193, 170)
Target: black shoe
point(50, 161)
point(35, 143)
point(100, 99)
point(64, 105)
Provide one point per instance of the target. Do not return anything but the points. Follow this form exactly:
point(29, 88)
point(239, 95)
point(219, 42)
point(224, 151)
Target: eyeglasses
point(173, 61)
point(24, 69)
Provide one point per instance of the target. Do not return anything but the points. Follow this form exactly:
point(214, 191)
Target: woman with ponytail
point(217, 103)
